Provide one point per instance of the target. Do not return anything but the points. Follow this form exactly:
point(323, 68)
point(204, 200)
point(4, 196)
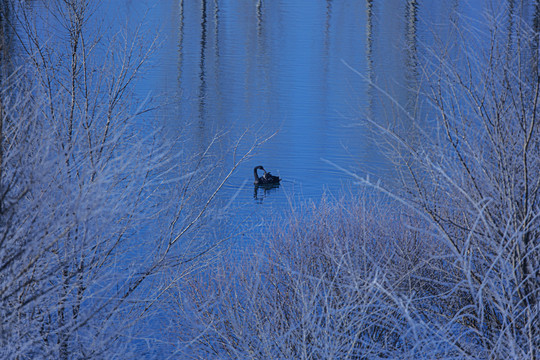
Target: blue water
point(286, 70)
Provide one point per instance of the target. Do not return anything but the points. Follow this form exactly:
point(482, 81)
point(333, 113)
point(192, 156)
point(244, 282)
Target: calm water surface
point(283, 68)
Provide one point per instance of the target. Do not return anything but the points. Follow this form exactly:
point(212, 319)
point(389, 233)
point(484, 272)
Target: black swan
point(266, 179)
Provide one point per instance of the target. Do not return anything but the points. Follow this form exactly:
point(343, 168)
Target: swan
point(267, 178)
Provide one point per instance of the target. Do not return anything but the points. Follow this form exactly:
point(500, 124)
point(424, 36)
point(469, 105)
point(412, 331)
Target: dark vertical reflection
point(536, 40)
point(6, 36)
point(411, 61)
point(259, 7)
point(216, 29)
point(261, 36)
point(262, 45)
point(510, 27)
point(5, 65)
point(369, 57)
point(326, 55)
point(181, 36)
point(202, 65)
point(526, 51)
point(264, 58)
point(216, 61)
point(327, 24)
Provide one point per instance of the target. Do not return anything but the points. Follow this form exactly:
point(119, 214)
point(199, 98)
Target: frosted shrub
point(474, 175)
point(335, 282)
point(95, 204)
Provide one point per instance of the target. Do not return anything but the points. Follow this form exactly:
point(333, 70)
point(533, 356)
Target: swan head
point(266, 179)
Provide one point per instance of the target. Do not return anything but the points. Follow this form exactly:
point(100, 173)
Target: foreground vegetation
point(97, 204)
point(443, 265)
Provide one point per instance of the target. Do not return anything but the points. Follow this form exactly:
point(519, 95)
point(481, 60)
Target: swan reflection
point(262, 190)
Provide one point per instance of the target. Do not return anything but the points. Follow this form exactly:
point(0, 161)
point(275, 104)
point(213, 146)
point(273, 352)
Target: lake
point(305, 73)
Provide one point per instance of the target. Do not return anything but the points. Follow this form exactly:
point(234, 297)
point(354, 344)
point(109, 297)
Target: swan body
point(266, 179)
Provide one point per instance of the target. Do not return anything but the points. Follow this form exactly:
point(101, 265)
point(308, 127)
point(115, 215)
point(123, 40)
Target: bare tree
point(96, 208)
point(474, 176)
point(329, 281)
